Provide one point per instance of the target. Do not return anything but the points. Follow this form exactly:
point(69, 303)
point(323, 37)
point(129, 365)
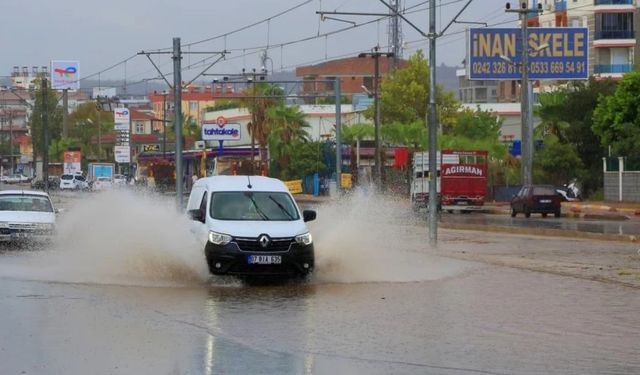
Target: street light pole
point(376, 105)
point(525, 92)
point(432, 123)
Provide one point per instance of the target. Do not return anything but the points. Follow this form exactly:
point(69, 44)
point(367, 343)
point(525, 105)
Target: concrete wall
point(630, 186)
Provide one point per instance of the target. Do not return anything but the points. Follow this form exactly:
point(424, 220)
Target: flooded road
point(132, 296)
point(629, 227)
point(485, 320)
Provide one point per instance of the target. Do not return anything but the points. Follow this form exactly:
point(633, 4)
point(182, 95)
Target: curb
point(542, 232)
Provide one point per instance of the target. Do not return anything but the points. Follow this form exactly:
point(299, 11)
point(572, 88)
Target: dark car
point(541, 199)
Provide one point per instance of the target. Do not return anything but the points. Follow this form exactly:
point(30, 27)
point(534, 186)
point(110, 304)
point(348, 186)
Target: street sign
point(65, 75)
point(224, 132)
point(151, 148)
point(122, 154)
point(555, 53)
point(220, 120)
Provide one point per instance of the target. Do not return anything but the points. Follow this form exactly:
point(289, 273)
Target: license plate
point(545, 200)
point(264, 259)
point(462, 203)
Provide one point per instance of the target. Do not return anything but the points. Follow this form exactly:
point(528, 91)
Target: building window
point(193, 106)
point(139, 128)
point(368, 82)
point(614, 26)
point(330, 86)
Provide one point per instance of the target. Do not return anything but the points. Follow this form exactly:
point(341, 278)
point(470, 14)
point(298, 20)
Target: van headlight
point(219, 238)
point(304, 239)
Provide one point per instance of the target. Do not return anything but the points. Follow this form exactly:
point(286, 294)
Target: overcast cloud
point(99, 33)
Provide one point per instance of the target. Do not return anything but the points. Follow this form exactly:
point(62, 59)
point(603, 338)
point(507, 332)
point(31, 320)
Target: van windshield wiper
point(258, 210)
point(281, 207)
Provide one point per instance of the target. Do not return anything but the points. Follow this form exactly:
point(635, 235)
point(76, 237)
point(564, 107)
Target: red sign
point(464, 170)
point(220, 121)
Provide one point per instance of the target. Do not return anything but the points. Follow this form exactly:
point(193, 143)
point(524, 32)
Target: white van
point(251, 225)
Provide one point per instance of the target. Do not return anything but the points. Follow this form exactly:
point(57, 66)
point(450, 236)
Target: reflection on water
point(607, 227)
point(486, 320)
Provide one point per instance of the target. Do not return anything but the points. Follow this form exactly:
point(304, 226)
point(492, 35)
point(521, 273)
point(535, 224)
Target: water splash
point(370, 237)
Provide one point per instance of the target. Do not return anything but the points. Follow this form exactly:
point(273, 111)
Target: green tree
point(616, 119)
point(356, 132)
point(582, 99)
point(35, 120)
point(259, 97)
point(306, 159)
point(552, 114)
point(287, 128)
point(557, 162)
point(405, 94)
point(477, 124)
point(84, 132)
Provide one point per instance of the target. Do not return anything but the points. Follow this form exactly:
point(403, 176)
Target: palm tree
point(552, 112)
point(288, 128)
point(259, 98)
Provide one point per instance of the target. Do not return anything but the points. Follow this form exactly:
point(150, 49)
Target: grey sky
point(100, 34)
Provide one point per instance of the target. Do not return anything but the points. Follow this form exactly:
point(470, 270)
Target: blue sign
point(555, 53)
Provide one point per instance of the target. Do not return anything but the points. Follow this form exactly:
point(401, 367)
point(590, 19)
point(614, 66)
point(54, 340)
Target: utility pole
point(164, 125)
point(376, 108)
point(525, 92)
point(99, 130)
point(338, 134)
point(395, 32)
point(11, 142)
point(45, 134)
point(176, 56)
point(177, 97)
point(432, 121)
point(65, 113)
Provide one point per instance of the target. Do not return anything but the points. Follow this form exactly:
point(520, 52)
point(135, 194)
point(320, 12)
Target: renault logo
point(264, 240)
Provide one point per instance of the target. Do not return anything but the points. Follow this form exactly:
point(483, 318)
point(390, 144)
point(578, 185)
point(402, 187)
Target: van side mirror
point(196, 215)
point(308, 215)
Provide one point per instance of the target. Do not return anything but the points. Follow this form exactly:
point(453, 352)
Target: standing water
point(128, 238)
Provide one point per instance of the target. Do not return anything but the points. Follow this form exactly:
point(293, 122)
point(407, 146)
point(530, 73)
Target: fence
point(621, 180)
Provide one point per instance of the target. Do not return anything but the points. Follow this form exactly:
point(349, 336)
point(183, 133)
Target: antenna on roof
point(249, 182)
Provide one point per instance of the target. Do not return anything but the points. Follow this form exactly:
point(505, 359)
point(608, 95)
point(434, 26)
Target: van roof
point(240, 183)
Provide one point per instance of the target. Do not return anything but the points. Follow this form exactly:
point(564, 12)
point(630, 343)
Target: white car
point(251, 226)
point(73, 182)
point(16, 179)
point(119, 180)
point(26, 215)
point(102, 183)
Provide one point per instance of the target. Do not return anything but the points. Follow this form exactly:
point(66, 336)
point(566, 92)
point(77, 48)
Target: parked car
point(26, 215)
point(17, 178)
point(251, 226)
point(54, 183)
point(119, 180)
point(541, 199)
point(73, 182)
point(102, 183)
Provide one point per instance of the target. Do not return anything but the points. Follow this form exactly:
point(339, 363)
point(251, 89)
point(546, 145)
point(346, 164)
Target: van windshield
point(248, 205)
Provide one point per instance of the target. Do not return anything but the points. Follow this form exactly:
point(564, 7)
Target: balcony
point(613, 2)
point(615, 34)
point(612, 68)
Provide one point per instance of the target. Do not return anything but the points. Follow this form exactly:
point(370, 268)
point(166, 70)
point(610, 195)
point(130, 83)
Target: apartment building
point(612, 30)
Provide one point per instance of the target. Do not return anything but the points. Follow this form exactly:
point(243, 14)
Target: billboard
point(122, 154)
point(121, 118)
point(72, 160)
point(65, 75)
point(555, 53)
point(221, 132)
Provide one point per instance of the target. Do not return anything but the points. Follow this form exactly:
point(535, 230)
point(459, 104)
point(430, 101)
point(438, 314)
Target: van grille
point(275, 245)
